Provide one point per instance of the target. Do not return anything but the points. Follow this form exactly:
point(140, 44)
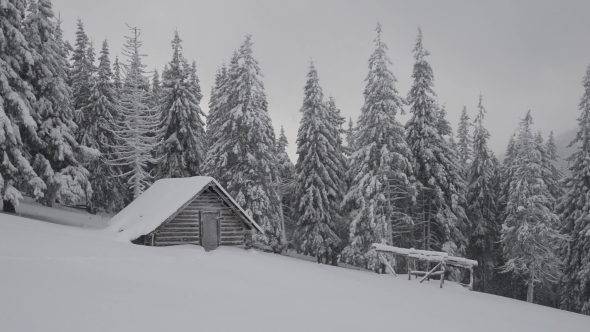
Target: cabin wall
point(185, 227)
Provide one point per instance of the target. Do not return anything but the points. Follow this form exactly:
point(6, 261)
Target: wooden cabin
point(194, 210)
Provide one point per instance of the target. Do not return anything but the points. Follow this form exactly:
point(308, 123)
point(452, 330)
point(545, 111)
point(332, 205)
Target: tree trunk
point(530, 291)
point(428, 225)
point(335, 259)
point(8, 207)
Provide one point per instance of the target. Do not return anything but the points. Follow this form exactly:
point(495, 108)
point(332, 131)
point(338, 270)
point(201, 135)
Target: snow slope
point(60, 278)
point(59, 214)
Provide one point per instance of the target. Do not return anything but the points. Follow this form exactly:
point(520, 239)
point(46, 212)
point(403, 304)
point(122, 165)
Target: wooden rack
point(441, 260)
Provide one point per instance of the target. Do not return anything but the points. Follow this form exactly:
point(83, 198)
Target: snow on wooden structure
point(439, 258)
point(195, 210)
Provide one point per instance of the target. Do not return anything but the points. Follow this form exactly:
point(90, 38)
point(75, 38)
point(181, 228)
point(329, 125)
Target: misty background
point(520, 55)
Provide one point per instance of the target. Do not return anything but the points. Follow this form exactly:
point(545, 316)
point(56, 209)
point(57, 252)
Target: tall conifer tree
point(464, 139)
point(574, 211)
point(381, 164)
point(481, 201)
point(56, 156)
point(242, 155)
point(528, 235)
point(184, 142)
point(320, 173)
point(82, 69)
point(442, 188)
point(109, 192)
point(136, 123)
point(16, 110)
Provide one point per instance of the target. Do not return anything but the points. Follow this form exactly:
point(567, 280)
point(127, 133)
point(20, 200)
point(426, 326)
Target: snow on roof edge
point(239, 207)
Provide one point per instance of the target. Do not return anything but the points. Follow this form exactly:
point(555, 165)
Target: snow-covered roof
point(424, 254)
point(164, 198)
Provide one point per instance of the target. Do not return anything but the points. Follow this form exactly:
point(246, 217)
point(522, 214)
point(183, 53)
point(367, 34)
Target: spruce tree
point(56, 157)
point(243, 152)
point(444, 126)
point(136, 123)
point(184, 143)
point(528, 235)
point(286, 167)
point(109, 192)
point(16, 108)
point(287, 184)
point(195, 82)
point(82, 69)
point(320, 173)
point(156, 87)
point(117, 78)
point(464, 139)
point(554, 175)
point(216, 120)
point(442, 189)
point(481, 202)
point(573, 209)
point(349, 135)
point(381, 164)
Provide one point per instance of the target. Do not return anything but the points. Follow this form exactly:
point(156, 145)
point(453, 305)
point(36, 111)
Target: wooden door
point(210, 230)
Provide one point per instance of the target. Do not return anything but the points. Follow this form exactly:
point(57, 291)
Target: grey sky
point(520, 54)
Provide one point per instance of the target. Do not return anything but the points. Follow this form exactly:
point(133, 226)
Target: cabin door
point(210, 229)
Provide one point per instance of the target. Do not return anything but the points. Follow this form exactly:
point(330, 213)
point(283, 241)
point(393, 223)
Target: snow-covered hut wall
point(187, 226)
point(178, 211)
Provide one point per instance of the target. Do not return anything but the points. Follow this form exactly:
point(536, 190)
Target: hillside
point(62, 278)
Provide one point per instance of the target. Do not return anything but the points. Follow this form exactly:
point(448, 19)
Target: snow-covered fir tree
point(184, 142)
point(82, 69)
point(16, 108)
point(117, 78)
point(528, 235)
point(554, 175)
point(444, 126)
point(242, 154)
point(286, 167)
point(349, 137)
point(287, 184)
point(464, 139)
point(320, 174)
point(156, 87)
point(506, 173)
point(574, 211)
point(382, 163)
point(56, 155)
point(136, 123)
point(101, 114)
point(195, 82)
point(217, 116)
point(442, 188)
point(481, 202)
point(65, 45)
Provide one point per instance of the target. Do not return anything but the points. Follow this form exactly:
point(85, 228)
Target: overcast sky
point(520, 54)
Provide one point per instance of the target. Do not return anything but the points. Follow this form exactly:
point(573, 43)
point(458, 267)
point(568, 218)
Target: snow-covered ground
point(61, 278)
point(60, 214)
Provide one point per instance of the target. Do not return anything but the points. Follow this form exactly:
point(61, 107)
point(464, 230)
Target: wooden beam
point(387, 264)
point(430, 272)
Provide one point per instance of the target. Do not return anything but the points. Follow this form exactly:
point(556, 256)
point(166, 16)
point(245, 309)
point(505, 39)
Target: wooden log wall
point(185, 227)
